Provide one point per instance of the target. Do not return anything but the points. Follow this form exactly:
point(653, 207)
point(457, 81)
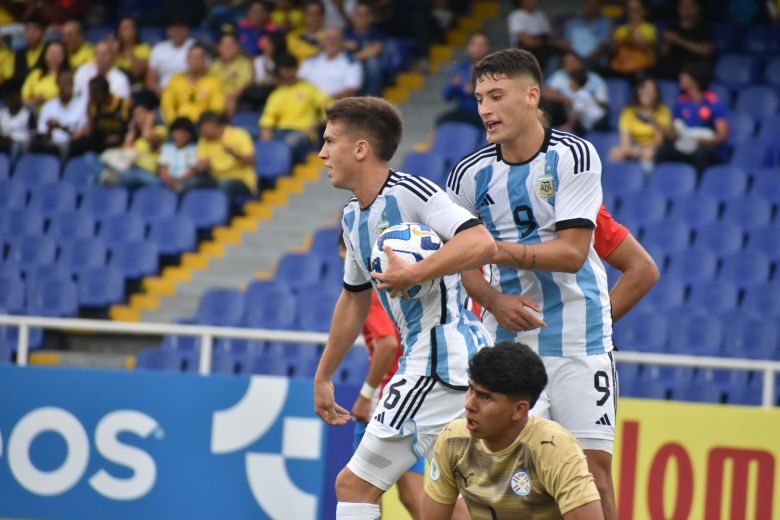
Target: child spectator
point(60, 119)
point(80, 51)
point(287, 16)
point(16, 121)
point(132, 54)
point(642, 126)
point(586, 112)
point(256, 25)
point(41, 83)
point(169, 57)
point(460, 85)
point(233, 69)
point(179, 158)
point(333, 71)
point(366, 43)
point(634, 41)
point(191, 93)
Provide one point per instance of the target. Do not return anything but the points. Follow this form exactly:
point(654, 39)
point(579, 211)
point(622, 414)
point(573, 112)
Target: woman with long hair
point(132, 55)
point(40, 85)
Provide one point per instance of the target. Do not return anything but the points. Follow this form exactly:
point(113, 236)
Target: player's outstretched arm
point(351, 311)
point(433, 510)
point(512, 312)
point(590, 511)
point(639, 275)
point(565, 253)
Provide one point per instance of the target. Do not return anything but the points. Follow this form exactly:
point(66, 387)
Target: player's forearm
point(384, 354)
point(469, 249)
point(478, 288)
point(639, 274)
point(348, 317)
point(559, 254)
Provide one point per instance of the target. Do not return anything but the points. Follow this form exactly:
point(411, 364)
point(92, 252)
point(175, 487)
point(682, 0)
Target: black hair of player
point(512, 369)
point(509, 63)
point(376, 120)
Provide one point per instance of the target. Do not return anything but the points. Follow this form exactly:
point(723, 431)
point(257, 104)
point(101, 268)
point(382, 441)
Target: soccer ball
point(412, 242)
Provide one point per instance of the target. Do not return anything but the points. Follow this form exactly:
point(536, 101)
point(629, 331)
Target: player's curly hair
point(508, 63)
point(378, 121)
point(511, 369)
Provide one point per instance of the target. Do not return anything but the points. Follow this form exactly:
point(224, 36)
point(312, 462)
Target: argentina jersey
point(559, 188)
point(438, 335)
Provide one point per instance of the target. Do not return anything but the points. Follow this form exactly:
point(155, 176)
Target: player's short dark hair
point(378, 120)
point(511, 369)
point(509, 63)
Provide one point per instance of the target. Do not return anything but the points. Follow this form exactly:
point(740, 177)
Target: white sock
point(355, 511)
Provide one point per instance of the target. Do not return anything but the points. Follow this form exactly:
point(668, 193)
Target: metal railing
point(207, 334)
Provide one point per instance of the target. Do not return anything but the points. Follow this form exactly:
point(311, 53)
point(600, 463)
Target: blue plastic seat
point(714, 296)
point(9, 267)
point(55, 297)
point(762, 40)
point(642, 207)
point(135, 259)
point(697, 392)
point(12, 294)
point(772, 71)
point(77, 173)
point(454, 141)
point(315, 307)
point(118, 229)
point(628, 372)
point(71, 225)
point(249, 121)
point(745, 268)
point(622, 178)
point(42, 272)
point(173, 235)
point(726, 36)
point(604, 141)
point(273, 159)
point(152, 34)
point(325, 241)
point(103, 201)
point(98, 33)
point(158, 359)
point(5, 167)
point(429, 165)
point(723, 377)
point(750, 154)
point(692, 265)
point(34, 169)
point(645, 331)
point(206, 208)
point(764, 240)
point(12, 195)
point(9, 336)
point(756, 338)
point(722, 238)
point(645, 390)
point(735, 70)
point(221, 307)
point(668, 374)
point(665, 294)
point(101, 287)
point(761, 301)
point(83, 254)
point(30, 251)
point(749, 212)
point(271, 366)
point(766, 184)
point(152, 203)
point(695, 209)
point(673, 179)
point(697, 334)
point(724, 182)
point(722, 93)
point(670, 234)
point(270, 306)
point(670, 90)
point(741, 127)
point(742, 395)
point(619, 95)
point(16, 223)
point(299, 270)
point(757, 100)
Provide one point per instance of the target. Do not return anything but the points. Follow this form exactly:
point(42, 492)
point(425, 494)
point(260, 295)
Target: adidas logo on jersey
point(487, 200)
point(380, 417)
point(604, 421)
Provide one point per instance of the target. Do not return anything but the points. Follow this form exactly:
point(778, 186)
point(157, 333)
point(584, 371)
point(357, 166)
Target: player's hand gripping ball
point(413, 243)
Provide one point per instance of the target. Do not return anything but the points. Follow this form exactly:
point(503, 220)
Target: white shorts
point(581, 395)
point(404, 427)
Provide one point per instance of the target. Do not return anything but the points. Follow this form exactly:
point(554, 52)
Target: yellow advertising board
point(681, 461)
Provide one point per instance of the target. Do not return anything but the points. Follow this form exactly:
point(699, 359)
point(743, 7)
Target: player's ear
point(521, 409)
point(361, 149)
point(534, 94)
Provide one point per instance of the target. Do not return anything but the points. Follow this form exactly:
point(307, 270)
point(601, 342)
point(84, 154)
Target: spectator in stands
point(6, 62)
point(530, 29)
point(586, 113)
point(233, 69)
point(256, 25)
point(26, 57)
point(333, 71)
point(287, 15)
point(226, 156)
point(178, 162)
point(589, 35)
point(305, 43)
point(265, 77)
point(104, 65)
point(558, 94)
point(338, 12)
point(107, 117)
point(642, 126)
point(634, 42)
point(80, 51)
point(699, 127)
point(460, 85)
point(294, 111)
point(17, 121)
point(191, 93)
point(365, 42)
point(132, 54)
point(60, 119)
point(41, 83)
point(688, 41)
point(443, 16)
point(169, 57)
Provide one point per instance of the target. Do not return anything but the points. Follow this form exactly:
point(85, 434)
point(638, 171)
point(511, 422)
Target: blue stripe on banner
point(508, 278)
point(442, 356)
point(551, 338)
point(594, 323)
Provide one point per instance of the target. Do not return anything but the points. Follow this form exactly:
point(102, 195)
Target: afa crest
point(545, 187)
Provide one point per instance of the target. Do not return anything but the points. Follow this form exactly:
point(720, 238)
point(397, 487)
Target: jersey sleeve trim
point(468, 224)
point(357, 288)
point(574, 223)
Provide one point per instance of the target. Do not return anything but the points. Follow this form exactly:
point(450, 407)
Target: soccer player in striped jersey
point(538, 192)
point(438, 335)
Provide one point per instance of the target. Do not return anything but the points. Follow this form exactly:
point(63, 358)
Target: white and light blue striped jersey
point(559, 188)
point(438, 335)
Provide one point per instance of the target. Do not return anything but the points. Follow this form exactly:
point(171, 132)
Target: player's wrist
point(367, 391)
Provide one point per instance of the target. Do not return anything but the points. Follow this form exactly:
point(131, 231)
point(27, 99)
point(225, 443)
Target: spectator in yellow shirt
point(294, 110)
point(634, 41)
point(6, 63)
point(79, 50)
point(28, 56)
point(287, 16)
point(41, 83)
point(305, 43)
point(132, 55)
point(233, 69)
point(193, 92)
point(226, 157)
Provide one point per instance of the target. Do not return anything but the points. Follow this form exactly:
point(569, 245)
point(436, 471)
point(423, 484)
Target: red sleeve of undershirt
point(609, 233)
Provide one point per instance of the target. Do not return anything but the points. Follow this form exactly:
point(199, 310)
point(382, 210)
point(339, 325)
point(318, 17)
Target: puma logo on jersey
point(549, 442)
point(465, 478)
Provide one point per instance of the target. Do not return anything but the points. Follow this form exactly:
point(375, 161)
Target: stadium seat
point(692, 265)
point(742, 395)
point(735, 70)
point(645, 390)
point(757, 100)
point(745, 268)
point(12, 294)
point(305, 367)
point(748, 212)
point(724, 182)
point(755, 338)
point(34, 169)
point(12, 195)
point(15, 223)
point(205, 207)
point(714, 296)
point(722, 238)
point(697, 334)
point(603, 142)
point(98, 33)
point(628, 372)
point(103, 201)
point(152, 203)
point(766, 184)
point(764, 240)
point(670, 234)
point(271, 366)
point(454, 141)
point(742, 126)
point(619, 95)
point(42, 272)
point(622, 178)
point(71, 225)
point(673, 179)
point(53, 197)
point(158, 359)
point(723, 93)
point(223, 362)
point(55, 297)
point(670, 90)
point(772, 71)
point(152, 34)
point(249, 121)
point(173, 235)
point(9, 336)
point(273, 159)
point(325, 241)
point(30, 251)
point(696, 209)
point(722, 377)
point(645, 331)
point(697, 392)
point(221, 308)
point(118, 229)
point(100, 287)
point(315, 307)
point(5, 167)
point(726, 36)
point(642, 207)
point(77, 173)
point(294, 351)
point(429, 165)
point(298, 270)
point(82, 254)
point(668, 374)
point(270, 307)
point(750, 154)
point(761, 301)
point(135, 259)
point(762, 40)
